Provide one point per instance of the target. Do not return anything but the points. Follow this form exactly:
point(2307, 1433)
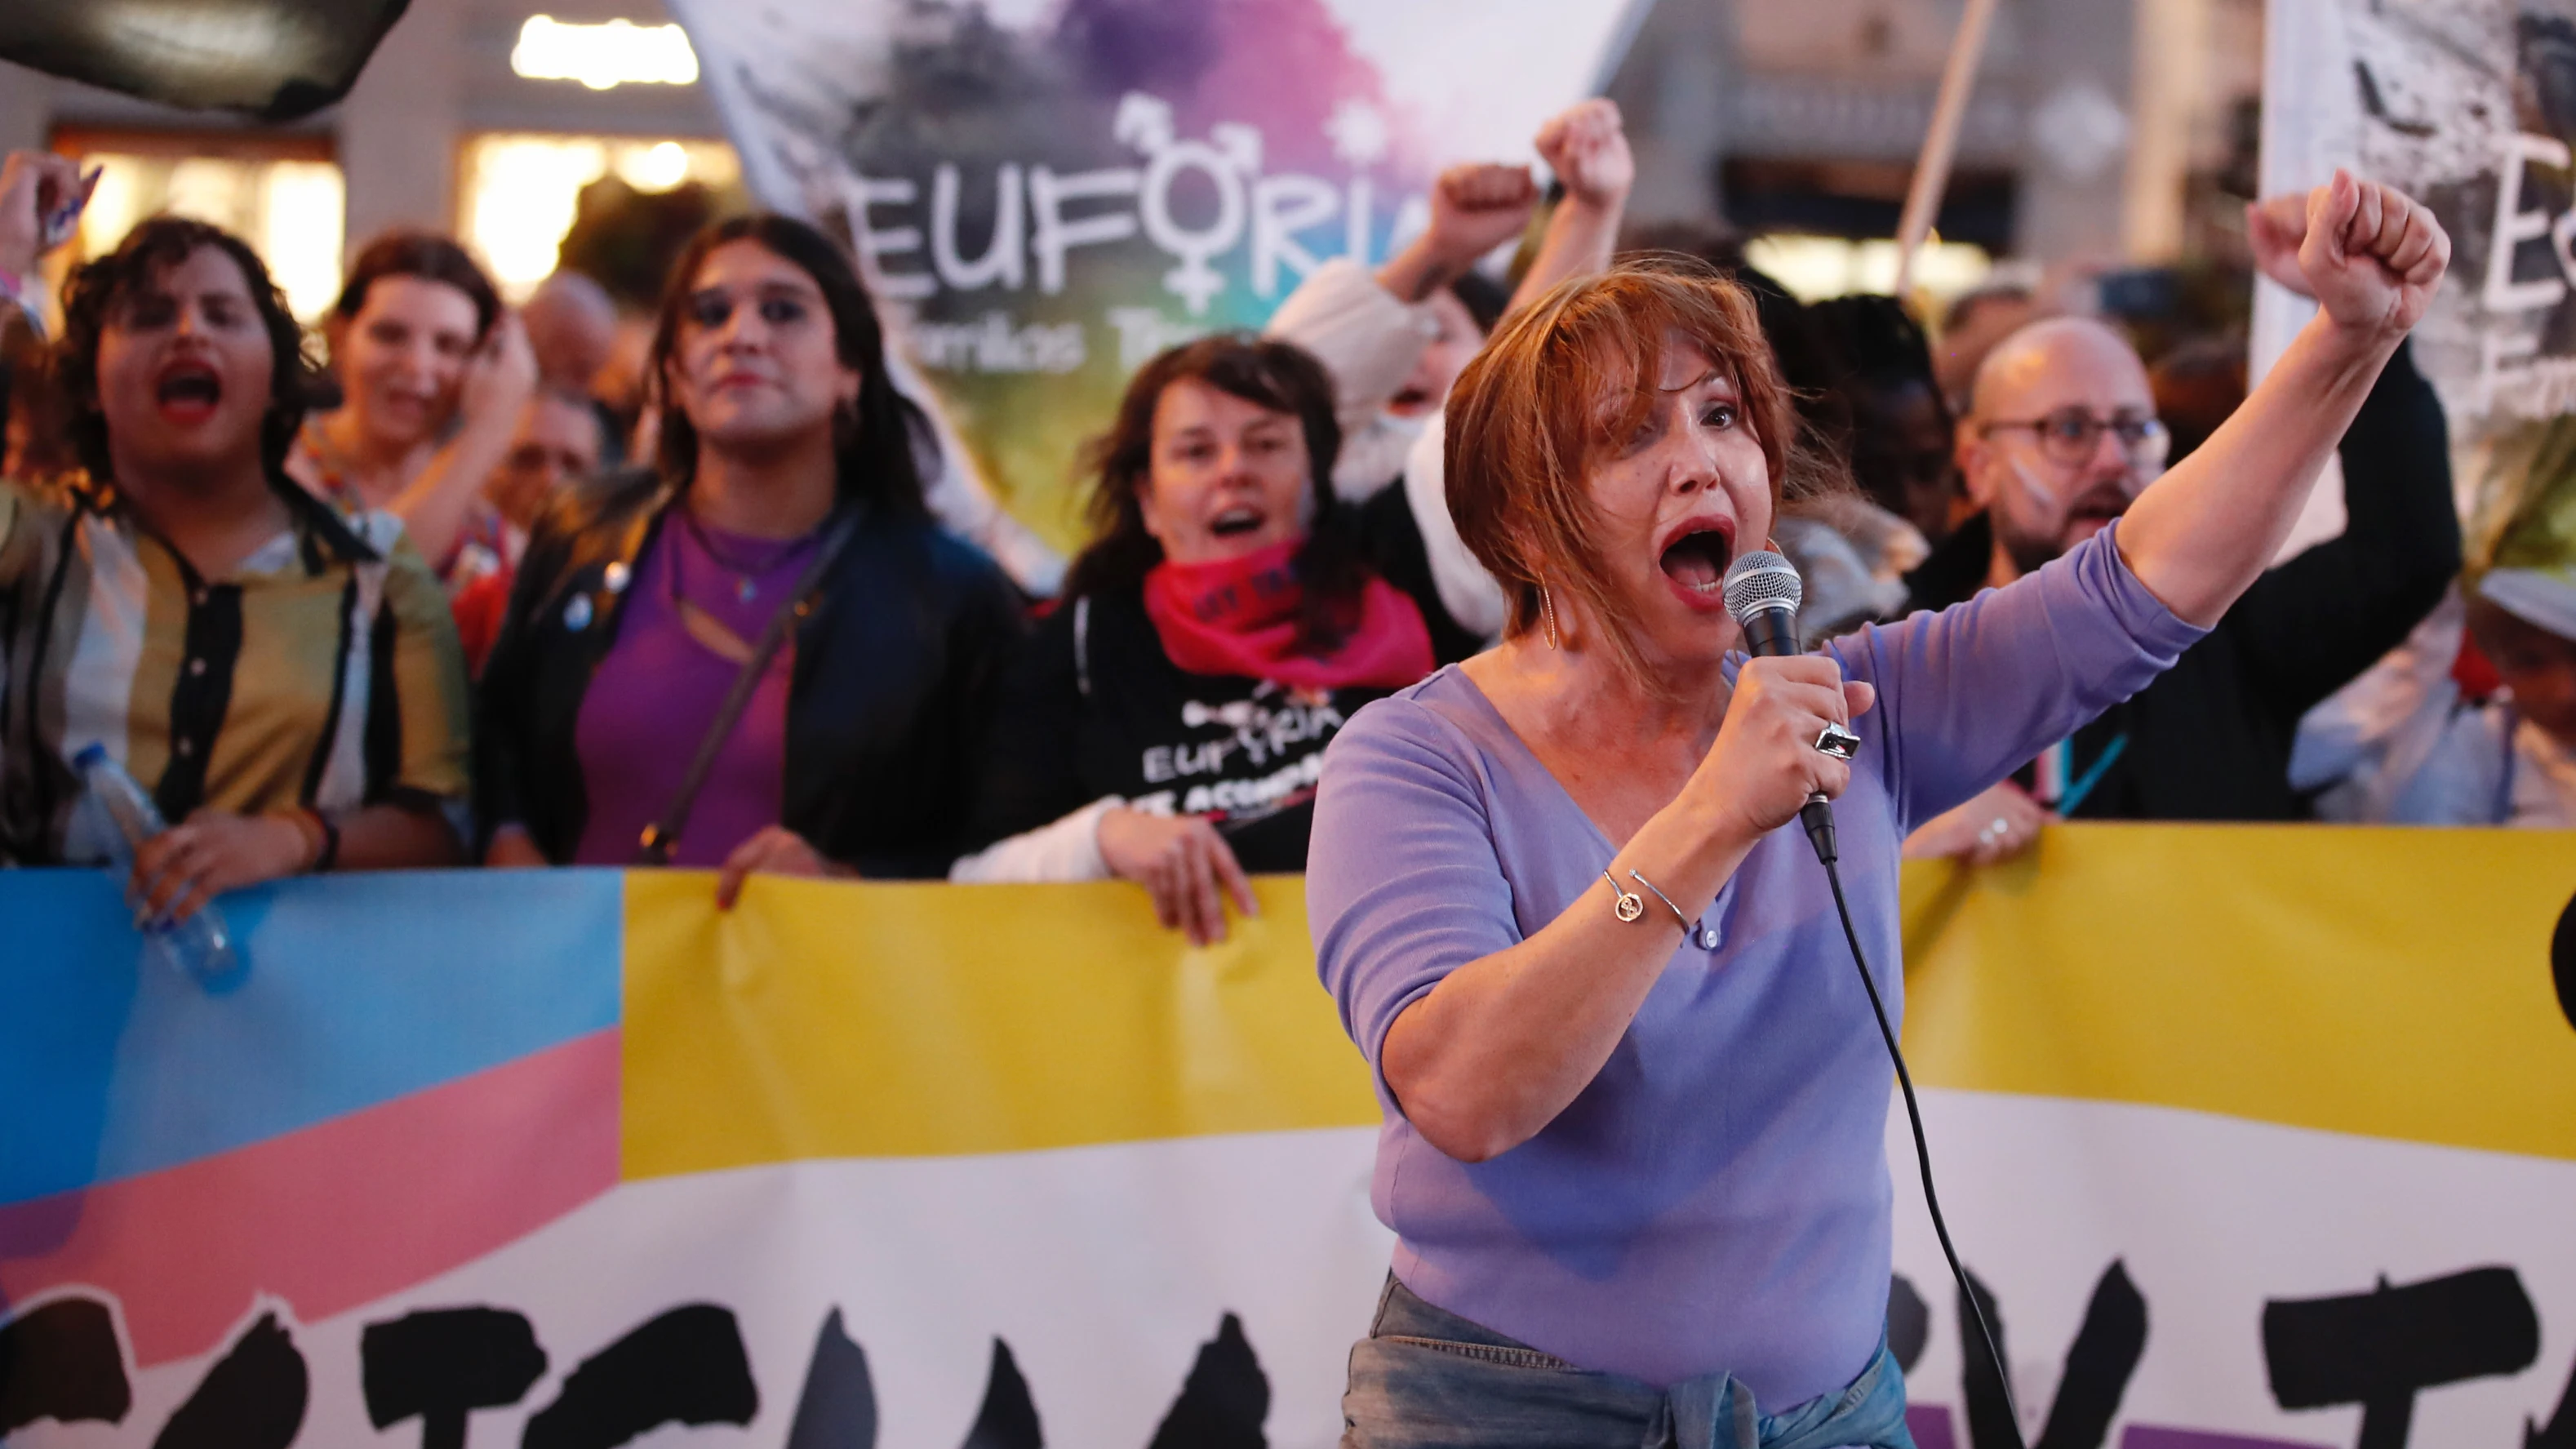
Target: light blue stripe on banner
point(358, 989)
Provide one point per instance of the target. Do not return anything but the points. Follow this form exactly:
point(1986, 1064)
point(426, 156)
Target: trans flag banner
point(2254, 1138)
point(1051, 191)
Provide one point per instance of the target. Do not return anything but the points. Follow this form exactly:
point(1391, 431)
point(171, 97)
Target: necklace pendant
point(744, 589)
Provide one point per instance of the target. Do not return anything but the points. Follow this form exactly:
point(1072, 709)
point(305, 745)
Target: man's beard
point(2030, 552)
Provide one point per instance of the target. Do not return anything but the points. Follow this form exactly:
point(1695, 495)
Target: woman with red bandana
point(1167, 723)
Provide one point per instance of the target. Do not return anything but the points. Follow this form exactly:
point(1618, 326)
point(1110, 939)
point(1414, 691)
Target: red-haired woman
point(1168, 722)
point(1635, 1102)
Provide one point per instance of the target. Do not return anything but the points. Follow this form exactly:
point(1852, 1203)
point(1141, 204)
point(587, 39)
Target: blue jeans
point(1428, 1379)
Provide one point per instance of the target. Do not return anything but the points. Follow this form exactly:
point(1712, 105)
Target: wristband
point(329, 857)
point(321, 835)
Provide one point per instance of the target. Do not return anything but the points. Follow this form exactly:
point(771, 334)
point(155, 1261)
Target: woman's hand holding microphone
point(1765, 764)
point(1762, 770)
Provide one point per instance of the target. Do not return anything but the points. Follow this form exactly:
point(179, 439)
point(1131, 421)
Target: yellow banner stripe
point(2385, 983)
point(819, 1020)
point(2392, 983)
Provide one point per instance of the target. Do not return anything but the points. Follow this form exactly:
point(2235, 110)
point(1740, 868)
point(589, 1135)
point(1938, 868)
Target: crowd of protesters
point(425, 600)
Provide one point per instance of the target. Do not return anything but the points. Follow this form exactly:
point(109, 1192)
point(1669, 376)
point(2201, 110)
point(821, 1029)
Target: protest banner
point(2258, 1136)
point(1047, 195)
point(2470, 107)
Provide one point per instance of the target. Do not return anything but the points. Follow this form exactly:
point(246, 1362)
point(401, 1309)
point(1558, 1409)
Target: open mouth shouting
point(188, 392)
point(1695, 560)
point(2089, 514)
point(1238, 521)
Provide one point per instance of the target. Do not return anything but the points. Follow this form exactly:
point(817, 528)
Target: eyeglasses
point(2071, 436)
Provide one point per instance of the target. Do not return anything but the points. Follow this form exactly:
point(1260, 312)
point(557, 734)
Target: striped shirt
point(322, 671)
point(483, 546)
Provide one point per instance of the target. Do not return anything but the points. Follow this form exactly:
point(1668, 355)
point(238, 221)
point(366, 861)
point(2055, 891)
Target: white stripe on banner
point(1104, 1269)
point(2212, 1218)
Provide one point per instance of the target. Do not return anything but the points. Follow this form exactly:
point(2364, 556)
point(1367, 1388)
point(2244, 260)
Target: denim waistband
point(1712, 1411)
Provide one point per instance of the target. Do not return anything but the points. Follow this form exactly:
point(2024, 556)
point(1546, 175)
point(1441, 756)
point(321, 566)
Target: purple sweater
point(1717, 1199)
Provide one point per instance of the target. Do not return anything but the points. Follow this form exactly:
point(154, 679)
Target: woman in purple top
point(1635, 1160)
point(788, 488)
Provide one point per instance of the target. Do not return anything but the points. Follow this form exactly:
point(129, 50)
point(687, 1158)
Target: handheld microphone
point(1763, 592)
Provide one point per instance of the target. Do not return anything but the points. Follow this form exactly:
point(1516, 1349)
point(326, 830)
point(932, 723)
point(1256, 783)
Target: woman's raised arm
point(2201, 534)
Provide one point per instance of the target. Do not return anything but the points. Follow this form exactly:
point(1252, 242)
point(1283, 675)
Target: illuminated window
point(617, 53)
point(1814, 268)
point(522, 191)
point(285, 198)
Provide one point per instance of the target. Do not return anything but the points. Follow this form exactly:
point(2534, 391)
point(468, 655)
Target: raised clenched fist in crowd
point(2369, 255)
point(33, 184)
point(1587, 148)
point(1476, 207)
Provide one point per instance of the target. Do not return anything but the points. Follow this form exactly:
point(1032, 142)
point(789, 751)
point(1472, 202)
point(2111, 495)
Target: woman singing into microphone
point(1635, 1159)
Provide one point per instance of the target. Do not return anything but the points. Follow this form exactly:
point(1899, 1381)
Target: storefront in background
point(521, 192)
point(281, 193)
point(483, 118)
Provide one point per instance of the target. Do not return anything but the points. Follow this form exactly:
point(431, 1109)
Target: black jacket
point(1393, 538)
point(896, 672)
point(1093, 706)
point(2210, 739)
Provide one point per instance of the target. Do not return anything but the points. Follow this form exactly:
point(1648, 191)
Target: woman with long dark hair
point(758, 653)
point(1167, 723)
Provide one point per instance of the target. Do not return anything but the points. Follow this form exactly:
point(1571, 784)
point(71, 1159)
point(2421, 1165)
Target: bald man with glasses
point(2060, 436)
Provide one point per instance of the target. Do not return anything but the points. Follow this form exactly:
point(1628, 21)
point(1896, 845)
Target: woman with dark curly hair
point(759, 653)
point(1168, 722)
point(283, 679)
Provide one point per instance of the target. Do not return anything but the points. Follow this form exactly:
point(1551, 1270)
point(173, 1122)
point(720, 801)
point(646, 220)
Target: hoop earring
point(1547, 612)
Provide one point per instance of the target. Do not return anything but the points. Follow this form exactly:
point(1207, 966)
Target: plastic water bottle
point(201, 945)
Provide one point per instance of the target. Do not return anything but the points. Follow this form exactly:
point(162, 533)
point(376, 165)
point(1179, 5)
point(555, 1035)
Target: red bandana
point(1238, 617)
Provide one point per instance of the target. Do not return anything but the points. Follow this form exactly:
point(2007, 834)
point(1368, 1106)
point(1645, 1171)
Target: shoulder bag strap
point(663, 835)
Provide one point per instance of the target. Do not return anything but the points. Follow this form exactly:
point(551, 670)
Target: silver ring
point(1836, 741)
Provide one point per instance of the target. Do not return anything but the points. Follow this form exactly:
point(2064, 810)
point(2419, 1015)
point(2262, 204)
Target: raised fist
point(2370, 256)
point(1476, 207)
point(1586, 147)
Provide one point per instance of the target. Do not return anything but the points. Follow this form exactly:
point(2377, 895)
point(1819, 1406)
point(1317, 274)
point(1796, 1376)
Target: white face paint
point(2035, 492)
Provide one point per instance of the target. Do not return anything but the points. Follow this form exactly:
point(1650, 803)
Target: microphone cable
point(1818, 818)
point(1763, 592)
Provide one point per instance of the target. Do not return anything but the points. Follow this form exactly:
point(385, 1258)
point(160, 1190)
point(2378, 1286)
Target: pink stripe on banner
point(334, 1215)
point(2142, 1436)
